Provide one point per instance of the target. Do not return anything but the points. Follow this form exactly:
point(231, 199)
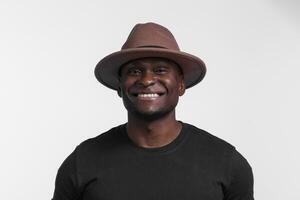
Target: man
point(153, 156)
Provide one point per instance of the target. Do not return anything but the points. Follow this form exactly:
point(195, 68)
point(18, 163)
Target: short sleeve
point(66, 184)
point(241, 179)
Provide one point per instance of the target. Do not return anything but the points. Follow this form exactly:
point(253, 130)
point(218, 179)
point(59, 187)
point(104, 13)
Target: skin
point(151, 120)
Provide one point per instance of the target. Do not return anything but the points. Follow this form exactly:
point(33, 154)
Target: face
point(150, 87)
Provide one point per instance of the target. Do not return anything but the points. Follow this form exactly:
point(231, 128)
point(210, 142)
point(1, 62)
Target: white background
point(50, 100)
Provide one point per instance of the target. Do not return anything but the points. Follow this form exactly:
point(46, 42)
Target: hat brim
point(107, 69)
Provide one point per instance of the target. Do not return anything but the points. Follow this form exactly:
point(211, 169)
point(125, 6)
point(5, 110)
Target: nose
point(147, 79)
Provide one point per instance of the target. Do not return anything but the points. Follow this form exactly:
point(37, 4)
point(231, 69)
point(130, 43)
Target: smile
point(147, 96)
point(152, 95)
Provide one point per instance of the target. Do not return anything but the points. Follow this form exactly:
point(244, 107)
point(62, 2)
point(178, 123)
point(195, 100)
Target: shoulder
point(223, 157)
point(102, 142)
point(207, 140)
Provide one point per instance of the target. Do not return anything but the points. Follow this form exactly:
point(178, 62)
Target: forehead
point(150, 62)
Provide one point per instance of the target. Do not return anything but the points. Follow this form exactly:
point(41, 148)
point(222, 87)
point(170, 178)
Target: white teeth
point(148, 95)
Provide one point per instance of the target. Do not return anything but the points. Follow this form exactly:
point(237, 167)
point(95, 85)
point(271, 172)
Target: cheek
point(125, 84)
point(173, 89)
point(173, 85)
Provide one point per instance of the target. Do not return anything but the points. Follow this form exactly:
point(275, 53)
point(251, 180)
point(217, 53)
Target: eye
point(134, 71)
point(161, 70)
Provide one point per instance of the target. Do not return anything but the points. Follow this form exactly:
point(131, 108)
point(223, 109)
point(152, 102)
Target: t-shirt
point(194, 166)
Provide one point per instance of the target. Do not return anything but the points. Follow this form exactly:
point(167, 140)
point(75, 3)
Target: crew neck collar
point(172, 146)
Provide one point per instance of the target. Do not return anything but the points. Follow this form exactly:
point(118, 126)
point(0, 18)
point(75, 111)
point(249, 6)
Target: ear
point(119, 92)
point(181, 88)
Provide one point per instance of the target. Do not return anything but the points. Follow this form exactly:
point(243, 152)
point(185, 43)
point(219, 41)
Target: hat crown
point(150, 35)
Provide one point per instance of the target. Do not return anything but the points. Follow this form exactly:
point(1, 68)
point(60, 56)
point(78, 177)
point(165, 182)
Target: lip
point(146, 95)
point(136, 94)
point(147, 91)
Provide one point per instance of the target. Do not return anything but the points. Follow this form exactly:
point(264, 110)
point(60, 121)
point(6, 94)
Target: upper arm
point(241, 179)
point(66, 182)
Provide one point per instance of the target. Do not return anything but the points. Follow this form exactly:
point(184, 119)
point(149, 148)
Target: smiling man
point(153, 155)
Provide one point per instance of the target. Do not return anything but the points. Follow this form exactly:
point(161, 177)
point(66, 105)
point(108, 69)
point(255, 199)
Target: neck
point(153, 133)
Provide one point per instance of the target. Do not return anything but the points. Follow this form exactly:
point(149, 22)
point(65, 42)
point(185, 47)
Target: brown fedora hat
point(149, 40)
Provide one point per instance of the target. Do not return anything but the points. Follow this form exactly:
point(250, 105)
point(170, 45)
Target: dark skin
point(150, 89)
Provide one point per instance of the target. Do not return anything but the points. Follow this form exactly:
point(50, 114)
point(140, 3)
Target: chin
point(148, 113)
point(151, 115)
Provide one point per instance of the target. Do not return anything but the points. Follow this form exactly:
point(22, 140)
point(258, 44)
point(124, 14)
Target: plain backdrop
point(50, 100)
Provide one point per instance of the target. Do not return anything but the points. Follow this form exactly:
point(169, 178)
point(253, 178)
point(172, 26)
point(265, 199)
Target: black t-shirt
point(194, 166)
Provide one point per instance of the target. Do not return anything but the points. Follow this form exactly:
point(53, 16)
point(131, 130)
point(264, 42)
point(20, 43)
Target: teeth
point(148, 95)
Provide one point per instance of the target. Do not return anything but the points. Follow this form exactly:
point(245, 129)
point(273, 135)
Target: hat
point(144, 41)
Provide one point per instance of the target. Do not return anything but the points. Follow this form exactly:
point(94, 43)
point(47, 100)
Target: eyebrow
point(137, 62)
